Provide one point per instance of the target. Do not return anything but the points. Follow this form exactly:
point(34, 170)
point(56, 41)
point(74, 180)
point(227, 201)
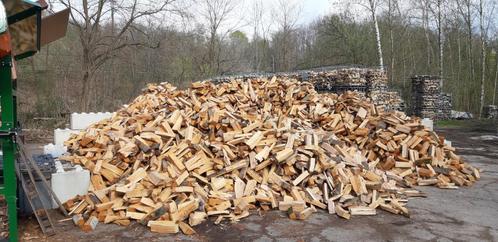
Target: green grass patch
point(471, 124)
point(450, 123)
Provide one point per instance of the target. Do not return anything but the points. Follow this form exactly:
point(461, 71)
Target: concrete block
point(83, 120)
point(68, 184)
point(61, 135)
point(428, 123)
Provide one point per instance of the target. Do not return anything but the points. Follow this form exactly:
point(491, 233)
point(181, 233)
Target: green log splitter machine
point(23, 30)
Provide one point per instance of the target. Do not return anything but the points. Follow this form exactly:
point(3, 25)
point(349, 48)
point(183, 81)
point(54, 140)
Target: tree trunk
point(470, 57)
point(88, 83)
point(211, 52)
point(440, 40)
point(496, 80)
point(483, 77)
point(84, 93)
point(469, 28)
point(459, 59)
point(483, 56)
point(377, 34)
point(425, 24)
point(391, 36)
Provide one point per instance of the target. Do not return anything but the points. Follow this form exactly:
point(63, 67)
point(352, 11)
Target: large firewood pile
point(174, 158)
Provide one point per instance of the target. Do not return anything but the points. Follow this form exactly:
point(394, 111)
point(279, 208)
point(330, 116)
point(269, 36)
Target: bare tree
point(483, 27)
point(496, 81)
point(480, 10)
point(453, 20)
point(440, 39)
point(393, 11)
point(261, 23)
point(99, 45)
point(373, 10)
point(256, 20)
point(464, 7)
point(216, 13)
point(436, 7)
point(425, 8)
point(286, 15)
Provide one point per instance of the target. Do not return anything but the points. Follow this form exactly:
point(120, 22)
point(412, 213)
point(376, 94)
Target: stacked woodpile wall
point(353, 79)
point(490, 112)
point(445, 106)
point(428, 101)
point(370, 83)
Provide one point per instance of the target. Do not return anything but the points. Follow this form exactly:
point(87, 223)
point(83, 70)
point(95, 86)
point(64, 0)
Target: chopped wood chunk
point(284, 154)
point(186, 229)
point(196, 218)
point(163, 227)
point(300, 178)
point(362, 211)
point(253, 141)
point(341, 212)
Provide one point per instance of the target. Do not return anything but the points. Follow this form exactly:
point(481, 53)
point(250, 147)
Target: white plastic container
point(81, 121)
point(61, 135)
point(68, 184)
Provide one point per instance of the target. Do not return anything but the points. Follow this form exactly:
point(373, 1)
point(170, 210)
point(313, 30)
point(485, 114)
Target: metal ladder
point(26, 170)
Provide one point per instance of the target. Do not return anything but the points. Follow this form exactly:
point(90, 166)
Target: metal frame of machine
point(7, 142)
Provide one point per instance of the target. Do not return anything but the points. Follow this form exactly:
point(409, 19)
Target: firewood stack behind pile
point(372, 83)
point(174, 158)
point(428, 100)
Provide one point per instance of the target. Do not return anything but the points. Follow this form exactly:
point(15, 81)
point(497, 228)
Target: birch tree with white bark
point(372, 6)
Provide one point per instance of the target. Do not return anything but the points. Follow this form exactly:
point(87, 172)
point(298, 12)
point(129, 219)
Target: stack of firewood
point(367, 82)
point(331, 80)
point(389, 100)
point(428, 101)
point(376, 79)
point(445, 106)
point(173, 158)
point(370, 83)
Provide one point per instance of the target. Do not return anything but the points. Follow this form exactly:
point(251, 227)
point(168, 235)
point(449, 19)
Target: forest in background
point(114, 48)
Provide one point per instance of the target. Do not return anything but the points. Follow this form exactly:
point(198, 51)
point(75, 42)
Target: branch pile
point(173, 158)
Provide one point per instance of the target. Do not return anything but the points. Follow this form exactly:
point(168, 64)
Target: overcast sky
point(313, 9)
point(309, 10)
